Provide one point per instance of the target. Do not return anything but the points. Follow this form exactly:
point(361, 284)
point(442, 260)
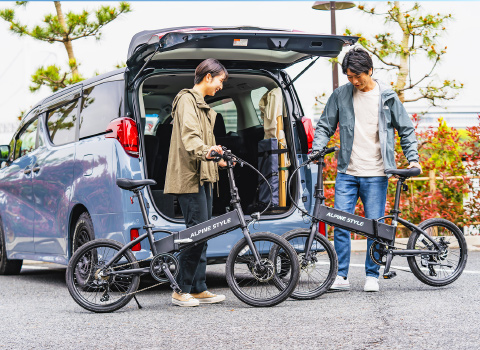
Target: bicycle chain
point(141, 290)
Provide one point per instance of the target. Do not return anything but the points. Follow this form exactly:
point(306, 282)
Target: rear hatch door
point(239, 47)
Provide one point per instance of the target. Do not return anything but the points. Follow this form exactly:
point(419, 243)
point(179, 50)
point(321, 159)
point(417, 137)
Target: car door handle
point(27, 171)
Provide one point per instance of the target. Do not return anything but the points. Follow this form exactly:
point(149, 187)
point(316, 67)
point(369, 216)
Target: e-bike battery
point(368, 227)
point(199, 233)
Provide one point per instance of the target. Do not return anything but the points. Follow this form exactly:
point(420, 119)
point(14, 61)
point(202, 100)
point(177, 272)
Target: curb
point(473, 244)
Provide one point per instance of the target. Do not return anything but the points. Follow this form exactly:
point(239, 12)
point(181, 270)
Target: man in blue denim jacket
point(367, 113)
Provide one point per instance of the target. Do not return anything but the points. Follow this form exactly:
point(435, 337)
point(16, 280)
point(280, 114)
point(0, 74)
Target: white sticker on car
point(240, 42)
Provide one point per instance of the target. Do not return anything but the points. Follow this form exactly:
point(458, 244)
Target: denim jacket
point(392, 116)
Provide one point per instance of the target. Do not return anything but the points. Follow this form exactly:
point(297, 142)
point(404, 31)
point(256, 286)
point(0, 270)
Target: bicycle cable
point(230, 156)
point(304, 212)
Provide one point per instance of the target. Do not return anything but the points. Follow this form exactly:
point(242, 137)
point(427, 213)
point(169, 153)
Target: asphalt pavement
point(37, 312)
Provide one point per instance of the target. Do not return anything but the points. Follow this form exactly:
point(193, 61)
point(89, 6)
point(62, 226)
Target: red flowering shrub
point(444, 151)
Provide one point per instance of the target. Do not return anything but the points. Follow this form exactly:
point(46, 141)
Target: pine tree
point(64, 29)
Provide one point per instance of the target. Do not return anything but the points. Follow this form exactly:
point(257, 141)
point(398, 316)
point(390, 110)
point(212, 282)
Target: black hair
point(212, 66)
point(357, 60)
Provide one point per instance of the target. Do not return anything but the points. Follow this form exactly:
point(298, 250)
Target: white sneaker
point(371, 284)
point(184, 299)
point(341, 283)
point(207, 297)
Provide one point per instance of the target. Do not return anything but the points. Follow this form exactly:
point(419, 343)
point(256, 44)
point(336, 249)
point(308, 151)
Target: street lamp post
point(332, 6)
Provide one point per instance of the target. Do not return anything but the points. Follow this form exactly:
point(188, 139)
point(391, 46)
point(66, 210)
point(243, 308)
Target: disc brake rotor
point(264, 271)
point(306, 266)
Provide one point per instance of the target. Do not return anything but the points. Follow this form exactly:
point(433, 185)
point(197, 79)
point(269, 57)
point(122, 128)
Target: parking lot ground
point(37, 312)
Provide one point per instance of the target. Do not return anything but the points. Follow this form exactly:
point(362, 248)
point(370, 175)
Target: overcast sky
point(21, 55)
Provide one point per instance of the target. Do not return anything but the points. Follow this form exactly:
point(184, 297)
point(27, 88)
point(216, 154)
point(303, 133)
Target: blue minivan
point(57, 179)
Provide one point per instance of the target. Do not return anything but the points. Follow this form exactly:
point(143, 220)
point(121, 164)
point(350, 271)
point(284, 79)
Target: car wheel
point(7, 267)
point(83, 231)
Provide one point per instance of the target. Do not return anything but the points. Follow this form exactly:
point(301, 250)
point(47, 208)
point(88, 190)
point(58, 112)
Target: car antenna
point(143, 67)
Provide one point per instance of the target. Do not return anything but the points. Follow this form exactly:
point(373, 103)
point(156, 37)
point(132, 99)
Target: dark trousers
point(196, 208)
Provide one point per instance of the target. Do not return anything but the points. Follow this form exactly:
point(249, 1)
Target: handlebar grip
point(315, 155)
point(330, 150)
point(215, 154)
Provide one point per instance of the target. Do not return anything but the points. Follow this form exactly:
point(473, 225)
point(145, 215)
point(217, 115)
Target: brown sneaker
point(207, 297)
point(184, 299)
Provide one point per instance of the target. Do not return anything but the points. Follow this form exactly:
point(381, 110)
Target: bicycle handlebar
point(229, 156)
point(315, 155)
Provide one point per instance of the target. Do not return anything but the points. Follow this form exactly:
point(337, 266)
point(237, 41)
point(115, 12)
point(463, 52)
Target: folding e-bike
point(436, 249)
point(103, 275)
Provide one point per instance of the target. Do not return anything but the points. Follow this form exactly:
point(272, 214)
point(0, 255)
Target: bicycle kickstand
point(387, 274)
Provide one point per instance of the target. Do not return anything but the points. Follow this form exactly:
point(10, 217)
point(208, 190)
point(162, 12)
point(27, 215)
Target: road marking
point(39, 267)
point(403, 268)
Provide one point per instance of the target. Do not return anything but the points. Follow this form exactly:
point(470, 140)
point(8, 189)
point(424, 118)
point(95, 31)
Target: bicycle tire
point(427, 274)
point(316, 277)
point(94, 293)
point(247, 280)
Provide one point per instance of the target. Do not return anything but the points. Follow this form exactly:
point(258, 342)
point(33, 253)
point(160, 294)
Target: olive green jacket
point(192, 137)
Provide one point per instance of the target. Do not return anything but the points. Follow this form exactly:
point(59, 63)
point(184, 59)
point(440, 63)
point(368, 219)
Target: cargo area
point(252, 122)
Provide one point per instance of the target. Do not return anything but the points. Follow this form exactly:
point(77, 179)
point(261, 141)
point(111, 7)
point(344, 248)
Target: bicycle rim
point(94, 292)
point(257, 284)
point(317, 273)
point(448, 265)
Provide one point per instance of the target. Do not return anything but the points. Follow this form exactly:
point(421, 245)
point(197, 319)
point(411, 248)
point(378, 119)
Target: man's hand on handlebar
point(315, 155)
point(218, 149)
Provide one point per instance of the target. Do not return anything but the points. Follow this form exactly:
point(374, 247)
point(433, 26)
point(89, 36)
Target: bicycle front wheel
point(93, 286)
point(256, 284)
point(445, 267)
point(318, 271)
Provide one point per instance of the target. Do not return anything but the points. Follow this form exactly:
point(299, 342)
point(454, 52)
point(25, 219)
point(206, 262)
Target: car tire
point(83, 232)
point(7, 267)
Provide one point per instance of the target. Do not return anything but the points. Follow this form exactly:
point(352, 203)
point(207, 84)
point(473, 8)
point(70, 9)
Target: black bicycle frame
point(367, 227)
point(177, 241)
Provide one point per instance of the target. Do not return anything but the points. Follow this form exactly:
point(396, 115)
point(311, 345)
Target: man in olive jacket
point(367, 113)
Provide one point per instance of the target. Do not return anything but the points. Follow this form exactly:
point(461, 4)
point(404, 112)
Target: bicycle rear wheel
point(317, 273)
point(257, 284)
point(445, 267)
point(101, 293)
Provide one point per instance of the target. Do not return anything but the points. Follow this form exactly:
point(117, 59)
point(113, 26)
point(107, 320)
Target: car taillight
point(125, 131)
point(322, 228)
point(133, 235)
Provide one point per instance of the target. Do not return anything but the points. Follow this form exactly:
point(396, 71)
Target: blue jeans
point(373, 193)
point(196, 208)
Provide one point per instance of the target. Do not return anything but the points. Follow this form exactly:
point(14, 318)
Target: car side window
point(256, 96)
point(61, 123)
point(26, 139)
point(226, 107)
point(100, 105)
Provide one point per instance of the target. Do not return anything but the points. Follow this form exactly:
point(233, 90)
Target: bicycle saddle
point(129, 184)
point(403, 172)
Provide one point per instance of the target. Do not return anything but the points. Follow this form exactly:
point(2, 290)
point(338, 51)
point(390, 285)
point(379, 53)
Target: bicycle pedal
point(389, 275)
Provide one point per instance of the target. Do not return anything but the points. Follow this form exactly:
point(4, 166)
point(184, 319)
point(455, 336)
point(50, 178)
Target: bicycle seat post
point(147, 226)
point(395, 211)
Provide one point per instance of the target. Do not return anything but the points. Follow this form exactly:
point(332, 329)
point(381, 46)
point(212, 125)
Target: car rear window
point(101, 104)
point(226, 107)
